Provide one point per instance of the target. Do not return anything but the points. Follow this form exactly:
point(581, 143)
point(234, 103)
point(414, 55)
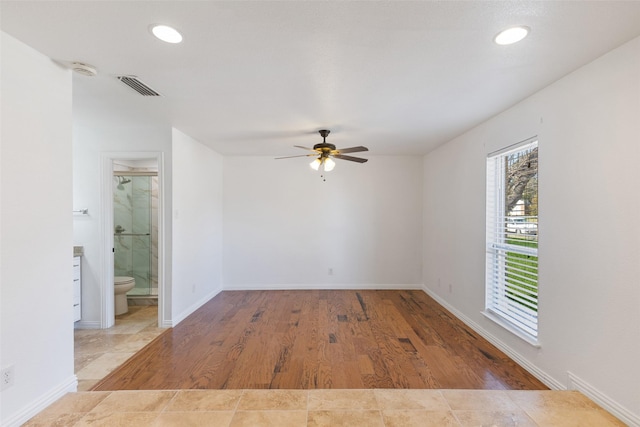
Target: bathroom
point(135, 220)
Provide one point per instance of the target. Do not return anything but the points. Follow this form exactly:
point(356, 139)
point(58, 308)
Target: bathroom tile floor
point(282, 408)
point(99, 351)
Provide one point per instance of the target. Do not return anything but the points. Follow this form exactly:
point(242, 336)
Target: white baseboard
point(40, 403)
point(622, 413)
point(88, 324)
point(547, 379)
point(193, 307)
point(320, 286)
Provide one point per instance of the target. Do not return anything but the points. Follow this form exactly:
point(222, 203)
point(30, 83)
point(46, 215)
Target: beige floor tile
point(118, 419)
point(100, 351)
point(100, 343)
point(368, 418)
point(81, 333)
point(494, 418)
point(205, 400)
point(81, 360)
point(269, 419)
point(140, 312)
point(135, 401)
point(153, 328)
point(479, 400)
point(150, 332)
point(418, 418)
point(102, 366)
point(547, 399)
point(86, 385)
point(46, 419)
point(134, 343)
point(127, 327)
point(574, 418)
point(431, 400)
point(77, 402)
point(330, 399)
point(194, 419)
point(253, 400)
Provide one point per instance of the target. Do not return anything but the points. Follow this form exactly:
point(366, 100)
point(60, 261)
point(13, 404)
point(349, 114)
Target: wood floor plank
point(320, 339)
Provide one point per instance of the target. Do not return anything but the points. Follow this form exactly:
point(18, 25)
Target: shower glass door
point(133, 231)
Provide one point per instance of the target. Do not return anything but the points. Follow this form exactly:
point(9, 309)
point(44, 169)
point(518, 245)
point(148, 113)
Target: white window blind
point(512, 237)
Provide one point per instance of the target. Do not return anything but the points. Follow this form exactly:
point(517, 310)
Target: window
point(512, 238)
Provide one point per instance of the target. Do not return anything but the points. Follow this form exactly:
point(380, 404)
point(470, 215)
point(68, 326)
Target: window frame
point(500, 304)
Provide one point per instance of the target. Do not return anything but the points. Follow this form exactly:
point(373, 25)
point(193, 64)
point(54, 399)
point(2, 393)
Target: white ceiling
point(256, 78)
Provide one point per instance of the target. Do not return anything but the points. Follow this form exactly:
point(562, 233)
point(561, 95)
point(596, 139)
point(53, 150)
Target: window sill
point(523, 336)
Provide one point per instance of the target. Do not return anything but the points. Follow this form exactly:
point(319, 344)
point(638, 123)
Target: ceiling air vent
point(137, 85)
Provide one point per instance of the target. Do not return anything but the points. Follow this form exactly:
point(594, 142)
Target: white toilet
point(122, 285)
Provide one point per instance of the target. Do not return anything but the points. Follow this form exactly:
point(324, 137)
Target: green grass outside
point(525, 267)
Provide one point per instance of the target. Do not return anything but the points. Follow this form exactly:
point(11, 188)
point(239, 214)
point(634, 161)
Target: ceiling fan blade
point(351, 150)
point(304, 148)
point(302, 155)
point(350, 158)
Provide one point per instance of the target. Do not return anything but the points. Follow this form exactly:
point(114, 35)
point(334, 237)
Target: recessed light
point(166, 33)
point(511, 35)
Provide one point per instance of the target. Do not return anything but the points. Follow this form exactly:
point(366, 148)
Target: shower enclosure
point(135, 197)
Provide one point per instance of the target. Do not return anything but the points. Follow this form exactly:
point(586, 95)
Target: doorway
point(127, 250)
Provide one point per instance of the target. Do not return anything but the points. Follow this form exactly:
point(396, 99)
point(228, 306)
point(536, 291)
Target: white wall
point(36, 256)
point(197, 225)
point(90, 141)
point(284, 227)
point(588, 125)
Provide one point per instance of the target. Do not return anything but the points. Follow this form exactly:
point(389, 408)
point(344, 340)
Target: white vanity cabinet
point(77, 288)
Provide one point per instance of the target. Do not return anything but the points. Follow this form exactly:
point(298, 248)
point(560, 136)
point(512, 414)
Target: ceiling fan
point(326, 152)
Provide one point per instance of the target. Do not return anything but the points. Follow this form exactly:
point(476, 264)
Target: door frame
point(107, 311)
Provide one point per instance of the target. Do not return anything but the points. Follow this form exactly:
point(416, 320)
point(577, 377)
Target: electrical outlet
point(7, 377)
point(450, 288)
point(193, 288)
point(330, 271)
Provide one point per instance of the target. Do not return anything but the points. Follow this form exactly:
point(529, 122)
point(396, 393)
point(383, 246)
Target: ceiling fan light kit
point(315, 165)
point(326, 163)
point(329, 164)
point(325, 153)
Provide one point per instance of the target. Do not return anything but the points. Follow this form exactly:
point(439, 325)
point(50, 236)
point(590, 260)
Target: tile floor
point(99, 351)
point(283, 408)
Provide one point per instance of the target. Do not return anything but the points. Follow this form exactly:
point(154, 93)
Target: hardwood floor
point(320, 339)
